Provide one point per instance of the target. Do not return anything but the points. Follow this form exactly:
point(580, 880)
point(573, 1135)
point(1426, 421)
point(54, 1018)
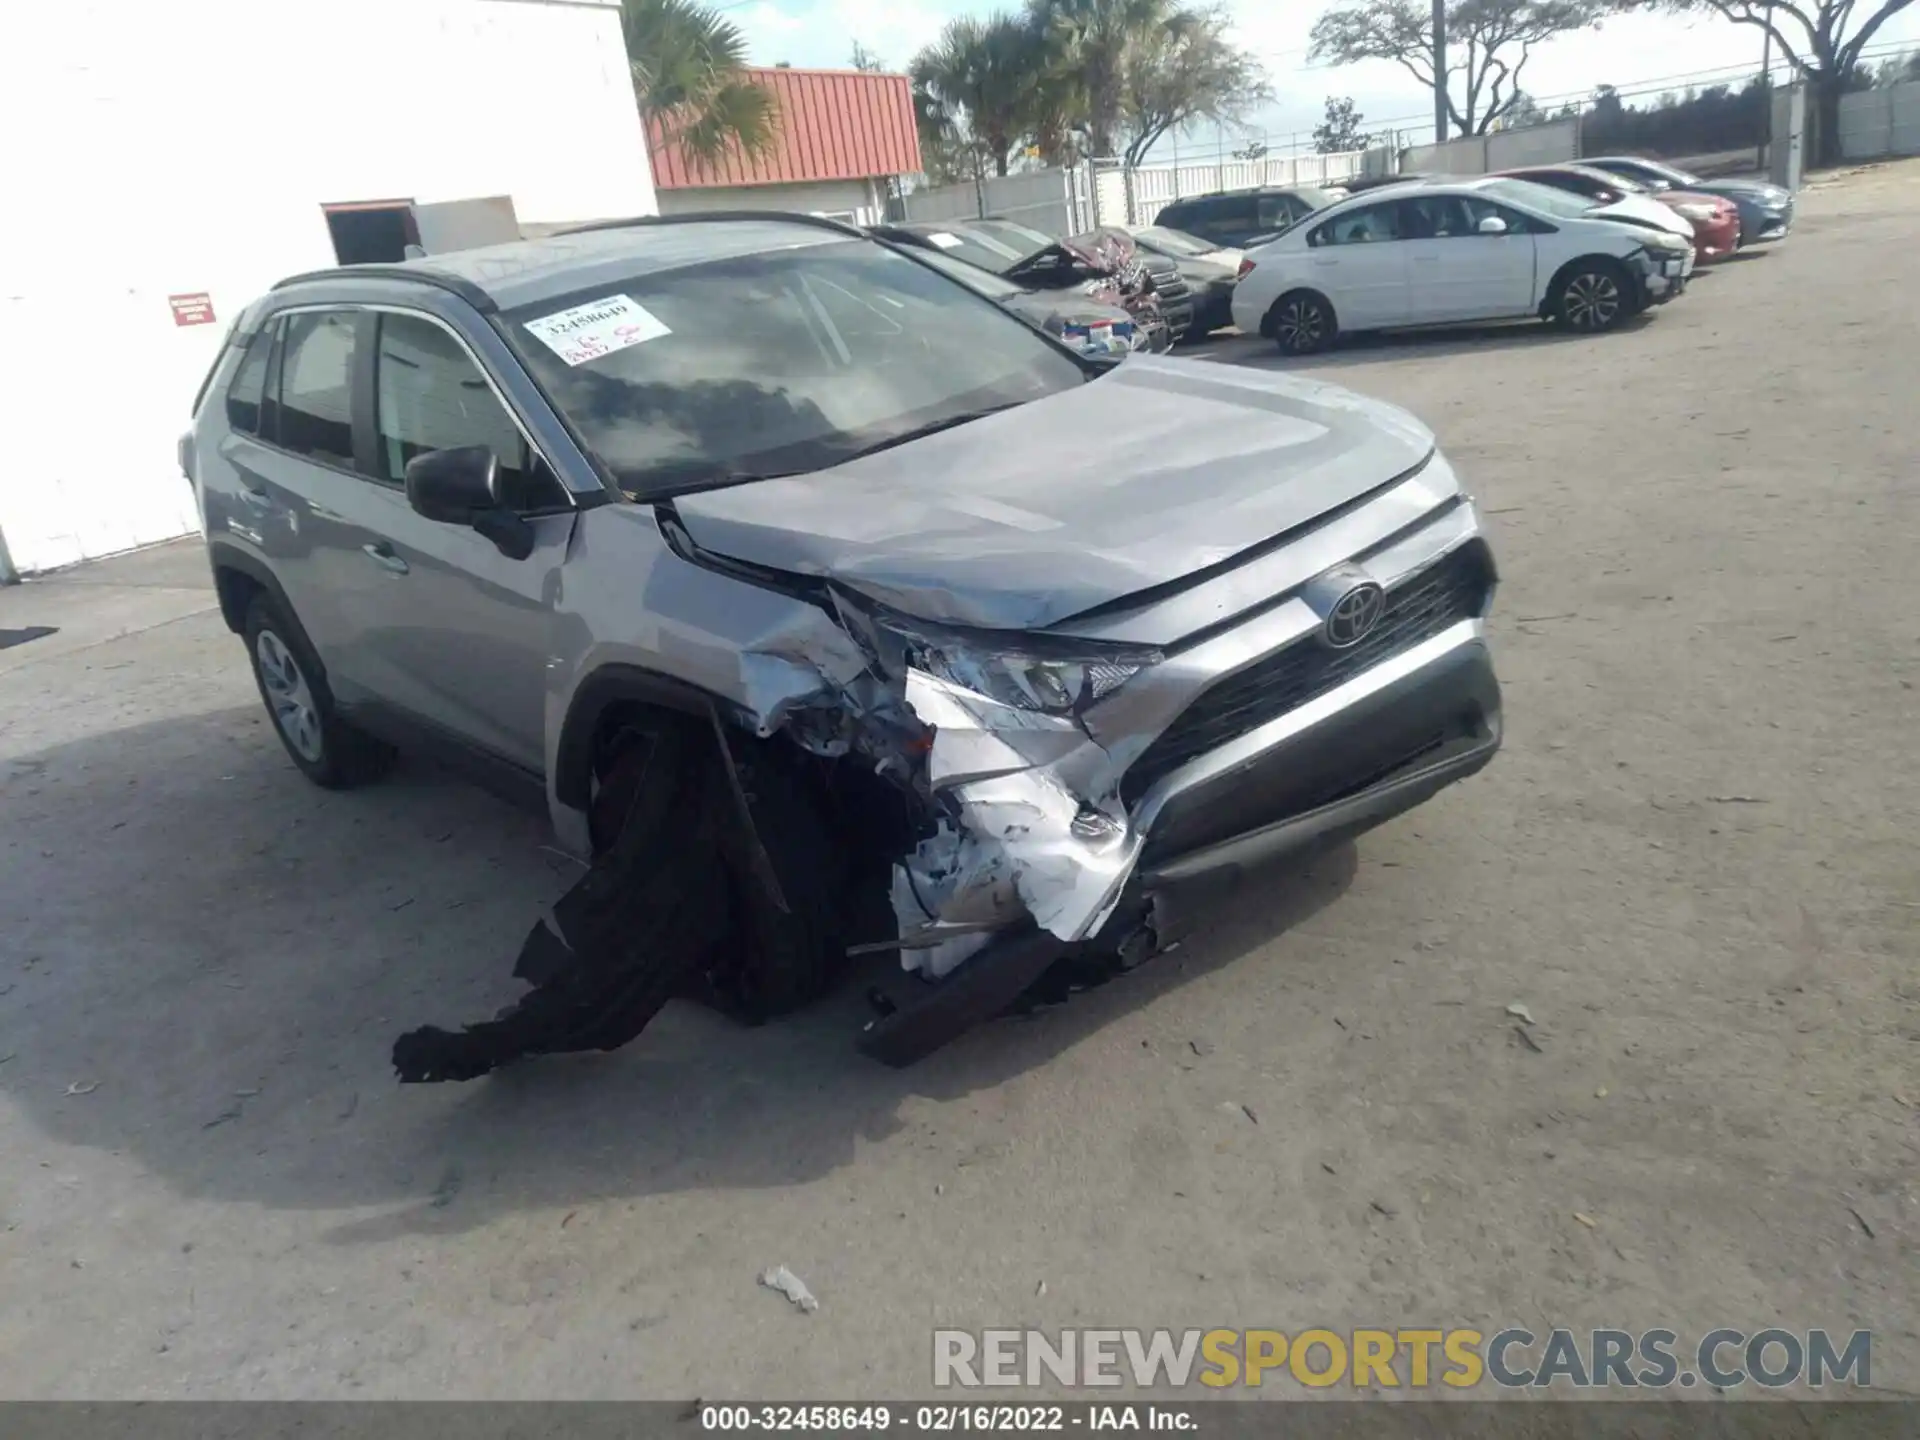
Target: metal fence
point(1882, 121)
point(1071, 201)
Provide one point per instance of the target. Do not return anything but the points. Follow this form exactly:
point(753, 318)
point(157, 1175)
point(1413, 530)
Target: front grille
point(1450, 590)
point(1175, 295)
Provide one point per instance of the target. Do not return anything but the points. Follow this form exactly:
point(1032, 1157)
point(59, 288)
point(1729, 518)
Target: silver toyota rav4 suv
point(828, 608)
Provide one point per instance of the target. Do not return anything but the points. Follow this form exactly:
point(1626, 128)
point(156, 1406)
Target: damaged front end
point(730, 863)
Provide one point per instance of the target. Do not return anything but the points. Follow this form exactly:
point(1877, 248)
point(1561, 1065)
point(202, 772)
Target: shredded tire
point(622, 941)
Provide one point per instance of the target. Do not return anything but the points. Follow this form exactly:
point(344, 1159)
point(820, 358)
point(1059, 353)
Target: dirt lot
point(1694, 863)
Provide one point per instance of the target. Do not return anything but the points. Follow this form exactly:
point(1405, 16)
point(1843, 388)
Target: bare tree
point(1487, 45)
point(1182, 70)
point(1823, 38)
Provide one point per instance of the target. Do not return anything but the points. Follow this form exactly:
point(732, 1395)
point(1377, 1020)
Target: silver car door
point(457, 632)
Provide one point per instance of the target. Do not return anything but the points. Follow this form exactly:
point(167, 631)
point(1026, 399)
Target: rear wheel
point(329, 752)
point(1594, 295)
point(1301, 323)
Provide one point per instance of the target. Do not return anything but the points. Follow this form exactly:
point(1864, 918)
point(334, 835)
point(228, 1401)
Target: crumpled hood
point(1137, 479)
point(1645, 211)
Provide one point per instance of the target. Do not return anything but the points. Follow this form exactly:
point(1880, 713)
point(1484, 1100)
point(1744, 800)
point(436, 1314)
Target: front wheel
point(1302, 323)
point(1594, 296)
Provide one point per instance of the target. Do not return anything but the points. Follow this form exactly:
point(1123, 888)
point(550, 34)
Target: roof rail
point(420, 275)
point(795, 217)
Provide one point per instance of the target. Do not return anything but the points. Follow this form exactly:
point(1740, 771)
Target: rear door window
point(1367, 225)
point(1226, 218)
point(1276, 212)
point(316, 386)
point(1433, 217)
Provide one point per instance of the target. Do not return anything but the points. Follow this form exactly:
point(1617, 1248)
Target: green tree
point(1340, 131)
point(1823, 38)
point(1488, 42)
point(975, 93)
point(689, 75)
point(865, 60)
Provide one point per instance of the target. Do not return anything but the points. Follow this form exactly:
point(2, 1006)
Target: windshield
point(1544, 198)
point(784, 361)
point(988, 252)
point(972, 276)
point(1173, 242)
point(1024, 238)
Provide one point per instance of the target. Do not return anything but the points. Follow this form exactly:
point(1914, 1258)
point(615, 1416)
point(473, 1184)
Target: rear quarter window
point(247, 393)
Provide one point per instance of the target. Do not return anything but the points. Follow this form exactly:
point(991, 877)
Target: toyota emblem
point(1354, 615)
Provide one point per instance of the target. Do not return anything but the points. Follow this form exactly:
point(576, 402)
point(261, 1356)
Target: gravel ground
point(1694, 863)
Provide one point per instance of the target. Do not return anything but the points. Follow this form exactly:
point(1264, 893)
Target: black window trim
point(365, 429)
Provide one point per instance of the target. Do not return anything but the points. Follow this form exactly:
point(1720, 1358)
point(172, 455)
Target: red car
point(1715, 221)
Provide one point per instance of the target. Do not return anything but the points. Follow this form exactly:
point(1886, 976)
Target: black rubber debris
point(619, 944)
point(716, 878)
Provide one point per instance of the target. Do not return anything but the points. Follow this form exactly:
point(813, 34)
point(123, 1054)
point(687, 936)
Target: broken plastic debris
point(1520, 1013)
point(1585, 1219)
point(790, 1285)
point(82, 1087)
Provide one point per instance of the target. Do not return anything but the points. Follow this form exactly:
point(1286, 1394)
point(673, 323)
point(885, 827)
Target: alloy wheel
point(1300, 326)
point(289, 697)
point(1592, 301)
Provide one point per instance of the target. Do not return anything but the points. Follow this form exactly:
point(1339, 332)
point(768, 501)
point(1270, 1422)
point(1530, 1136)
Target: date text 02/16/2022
point(942, 1419)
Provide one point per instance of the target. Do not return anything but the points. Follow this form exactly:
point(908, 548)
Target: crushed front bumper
point(1245, 746)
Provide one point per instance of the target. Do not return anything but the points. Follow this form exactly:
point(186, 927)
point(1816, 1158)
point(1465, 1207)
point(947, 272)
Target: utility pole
point(1439, 72)
point(1766, 94)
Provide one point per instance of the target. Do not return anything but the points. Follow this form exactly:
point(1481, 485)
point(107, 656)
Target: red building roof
point(834, 125)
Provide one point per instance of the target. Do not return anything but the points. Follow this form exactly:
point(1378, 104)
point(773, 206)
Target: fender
point(616, 684)
point(223, 554)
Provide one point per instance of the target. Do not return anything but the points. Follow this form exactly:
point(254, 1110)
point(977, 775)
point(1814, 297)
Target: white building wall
point(858, 200)
point(189, 147)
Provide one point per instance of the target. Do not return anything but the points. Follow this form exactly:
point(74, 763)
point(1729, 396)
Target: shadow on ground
point(226, 953)
point(1374, 346)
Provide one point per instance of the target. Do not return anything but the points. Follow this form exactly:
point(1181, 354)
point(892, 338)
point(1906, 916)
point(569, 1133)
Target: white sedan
point(1432, 253)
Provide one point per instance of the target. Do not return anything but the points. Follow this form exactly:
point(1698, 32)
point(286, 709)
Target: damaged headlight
point(1054, 677)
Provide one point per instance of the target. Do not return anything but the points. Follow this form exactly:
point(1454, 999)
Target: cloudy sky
point(1626, 52)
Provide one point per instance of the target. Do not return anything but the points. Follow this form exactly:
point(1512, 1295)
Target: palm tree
point(1093, 39)
point(974, 88)
point(689, 75)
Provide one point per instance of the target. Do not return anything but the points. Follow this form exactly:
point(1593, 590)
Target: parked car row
point(1586, 244)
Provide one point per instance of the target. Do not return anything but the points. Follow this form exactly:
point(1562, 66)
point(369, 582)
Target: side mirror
point(460, 487)
point(453, 486)
point(1489, 225)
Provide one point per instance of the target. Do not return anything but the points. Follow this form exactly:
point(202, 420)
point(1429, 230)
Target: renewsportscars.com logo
point(1412, 1359)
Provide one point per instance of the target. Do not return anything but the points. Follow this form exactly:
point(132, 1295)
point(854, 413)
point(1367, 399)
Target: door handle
point(258, 499)
point(382, 555)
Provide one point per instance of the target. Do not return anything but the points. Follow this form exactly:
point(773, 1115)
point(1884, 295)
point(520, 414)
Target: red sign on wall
point(192, 309)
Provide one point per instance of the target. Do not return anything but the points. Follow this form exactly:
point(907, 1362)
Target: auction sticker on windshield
point(587, 332)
